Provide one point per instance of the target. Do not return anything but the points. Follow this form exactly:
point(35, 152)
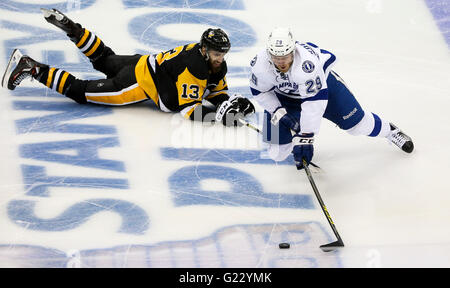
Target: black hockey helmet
point(215, 39)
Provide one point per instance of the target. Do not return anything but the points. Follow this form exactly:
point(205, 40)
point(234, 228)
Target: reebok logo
point(350, 114)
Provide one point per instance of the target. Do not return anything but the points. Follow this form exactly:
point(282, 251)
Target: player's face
point(216, 58)
point(283, 63)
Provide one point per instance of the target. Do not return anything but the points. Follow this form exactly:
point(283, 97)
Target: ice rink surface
point(97, 186)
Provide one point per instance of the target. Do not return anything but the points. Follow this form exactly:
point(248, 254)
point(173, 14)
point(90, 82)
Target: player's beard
point(283, 68)
point(215, 66)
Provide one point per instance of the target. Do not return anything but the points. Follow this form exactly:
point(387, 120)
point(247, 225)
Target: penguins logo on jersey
point(308, 66)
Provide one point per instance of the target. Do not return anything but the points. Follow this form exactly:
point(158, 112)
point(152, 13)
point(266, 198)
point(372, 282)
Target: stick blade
point(332, 246)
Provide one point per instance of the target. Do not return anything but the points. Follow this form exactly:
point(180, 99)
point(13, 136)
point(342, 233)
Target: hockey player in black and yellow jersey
point(177, 80)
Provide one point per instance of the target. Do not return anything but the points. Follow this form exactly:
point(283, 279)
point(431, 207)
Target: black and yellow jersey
point(180, 79)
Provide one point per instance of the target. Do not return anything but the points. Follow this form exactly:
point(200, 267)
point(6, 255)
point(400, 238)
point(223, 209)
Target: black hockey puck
point(284, 245)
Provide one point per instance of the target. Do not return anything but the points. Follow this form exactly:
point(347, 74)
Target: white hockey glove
point(280, 115)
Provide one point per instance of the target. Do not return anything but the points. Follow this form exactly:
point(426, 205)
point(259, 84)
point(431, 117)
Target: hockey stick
point(326, 247)
point(250, 125)
point(260, 132)
point(333, 245)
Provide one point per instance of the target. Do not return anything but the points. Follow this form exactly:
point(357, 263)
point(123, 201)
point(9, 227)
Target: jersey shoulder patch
point(308, 66)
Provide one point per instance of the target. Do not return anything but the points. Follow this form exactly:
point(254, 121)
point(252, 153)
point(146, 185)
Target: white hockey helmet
point(280, 42)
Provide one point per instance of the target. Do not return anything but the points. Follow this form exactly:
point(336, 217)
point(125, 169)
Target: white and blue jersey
point(305, 83)
point(309, 91)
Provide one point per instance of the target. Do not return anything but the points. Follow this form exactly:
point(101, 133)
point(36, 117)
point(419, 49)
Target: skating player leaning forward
point(296, 86)
point(177, 80)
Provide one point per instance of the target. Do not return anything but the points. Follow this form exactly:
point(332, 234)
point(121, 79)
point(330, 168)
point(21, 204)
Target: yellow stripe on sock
point(90, 52)
point(83, 39)
point(133, 95)
point(50, 77)
point(63, 81)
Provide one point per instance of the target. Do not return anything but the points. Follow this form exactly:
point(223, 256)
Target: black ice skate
point(19, 68)
point(400, 139)
point(55, 17)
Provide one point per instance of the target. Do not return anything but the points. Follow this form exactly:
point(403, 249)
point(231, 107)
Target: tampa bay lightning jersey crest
point(290, 88)
point(308, 66)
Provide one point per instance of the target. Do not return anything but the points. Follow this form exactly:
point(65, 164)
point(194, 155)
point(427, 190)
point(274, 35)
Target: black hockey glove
point(232, 111)
point(245, 106)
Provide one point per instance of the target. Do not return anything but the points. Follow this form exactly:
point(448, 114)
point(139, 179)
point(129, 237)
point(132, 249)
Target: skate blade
point(13, 61)
point(47, 13)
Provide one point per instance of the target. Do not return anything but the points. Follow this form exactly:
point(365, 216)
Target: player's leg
point(88, 43)
point(102, 57)
point(120, 90)
point(344, 110)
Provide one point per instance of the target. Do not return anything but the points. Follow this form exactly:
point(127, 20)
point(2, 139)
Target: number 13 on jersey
point(190, 91)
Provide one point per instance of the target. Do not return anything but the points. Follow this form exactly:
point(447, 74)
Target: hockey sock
point(381, 128)
point(88, 43)
point(56, 79)
point(371, 125)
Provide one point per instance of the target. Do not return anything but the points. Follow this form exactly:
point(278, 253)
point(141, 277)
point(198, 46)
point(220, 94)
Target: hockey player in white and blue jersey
point(295, 85)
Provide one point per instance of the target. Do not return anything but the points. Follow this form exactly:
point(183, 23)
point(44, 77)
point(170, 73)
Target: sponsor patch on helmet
point(308, 66)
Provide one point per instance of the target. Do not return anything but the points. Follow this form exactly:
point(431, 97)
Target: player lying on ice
point(295, 85)
point(177, 80)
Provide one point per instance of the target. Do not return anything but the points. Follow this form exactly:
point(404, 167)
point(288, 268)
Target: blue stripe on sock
point(377, 127)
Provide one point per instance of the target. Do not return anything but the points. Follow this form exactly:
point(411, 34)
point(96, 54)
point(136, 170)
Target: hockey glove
point(280, 115)
point(231, 112)
point(303, 148)
point(245, 106)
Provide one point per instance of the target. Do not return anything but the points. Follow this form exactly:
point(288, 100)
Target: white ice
point(390, 208)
